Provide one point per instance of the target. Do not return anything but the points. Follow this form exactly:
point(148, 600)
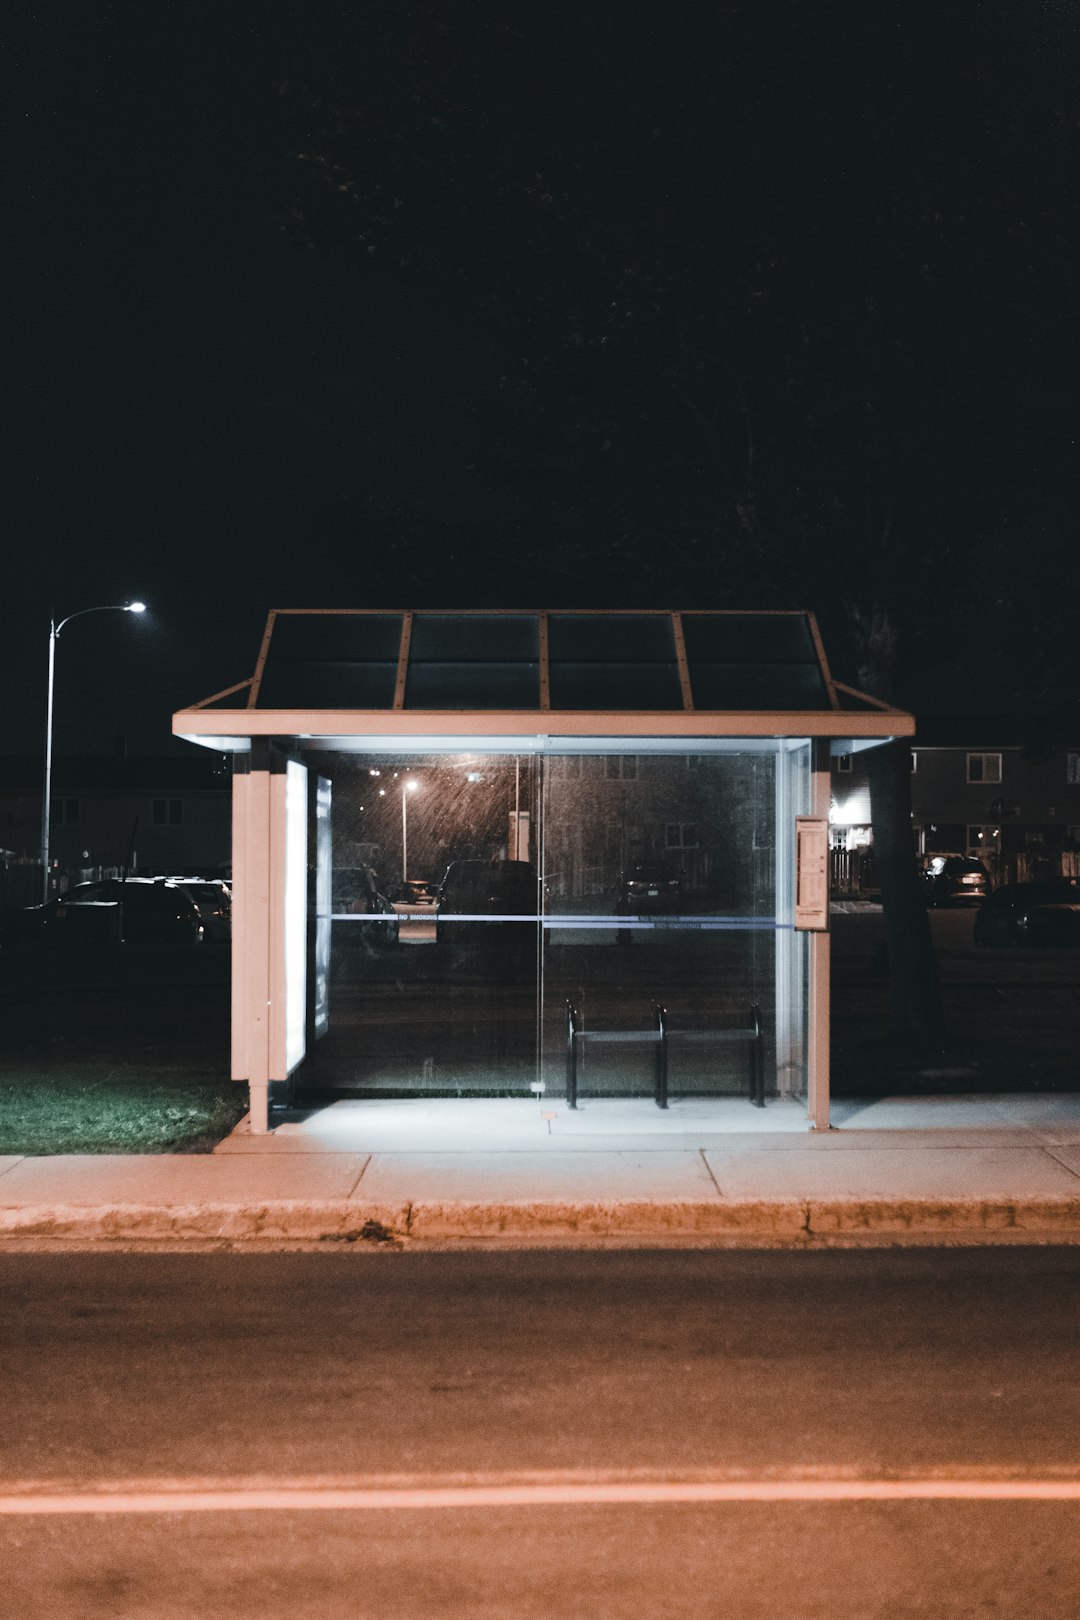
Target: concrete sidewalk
point(949, 1169)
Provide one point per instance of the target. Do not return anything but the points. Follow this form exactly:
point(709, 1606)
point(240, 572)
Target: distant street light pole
point(406, 789)
point(54, 631)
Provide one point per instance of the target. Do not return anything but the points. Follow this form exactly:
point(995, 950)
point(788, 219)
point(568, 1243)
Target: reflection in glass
point(661, 892)
point(616, 881)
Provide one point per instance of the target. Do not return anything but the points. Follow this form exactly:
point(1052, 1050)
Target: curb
point(269, 1224)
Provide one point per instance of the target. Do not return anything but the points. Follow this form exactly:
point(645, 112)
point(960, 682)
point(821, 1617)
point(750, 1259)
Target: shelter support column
point(251, 937)
point(820, 966)
point(269, 964)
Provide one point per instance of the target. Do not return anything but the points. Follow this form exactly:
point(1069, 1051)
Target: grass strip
point(91, 1108)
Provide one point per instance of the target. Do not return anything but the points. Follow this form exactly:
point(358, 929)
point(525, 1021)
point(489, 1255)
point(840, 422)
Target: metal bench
point(663, 1037)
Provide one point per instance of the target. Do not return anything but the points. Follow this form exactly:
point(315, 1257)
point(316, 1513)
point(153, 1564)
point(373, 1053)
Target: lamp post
point(406, 789)
point(46, 796)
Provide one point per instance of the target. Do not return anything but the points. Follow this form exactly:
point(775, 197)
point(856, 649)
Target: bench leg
point(757, 1074)
point(571, 1060)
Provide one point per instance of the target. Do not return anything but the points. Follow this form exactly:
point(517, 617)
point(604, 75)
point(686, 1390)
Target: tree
point(786, 292)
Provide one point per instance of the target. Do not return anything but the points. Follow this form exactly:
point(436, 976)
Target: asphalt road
point(534, 1388)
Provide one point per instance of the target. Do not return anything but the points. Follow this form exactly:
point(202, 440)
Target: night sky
point(415, 305)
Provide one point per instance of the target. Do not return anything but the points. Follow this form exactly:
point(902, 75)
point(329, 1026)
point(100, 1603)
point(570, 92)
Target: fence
point(852, 871)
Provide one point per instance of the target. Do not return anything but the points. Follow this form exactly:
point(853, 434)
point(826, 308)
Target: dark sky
point(203, 411)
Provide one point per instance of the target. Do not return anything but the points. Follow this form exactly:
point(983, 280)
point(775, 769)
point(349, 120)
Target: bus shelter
point(565, 854)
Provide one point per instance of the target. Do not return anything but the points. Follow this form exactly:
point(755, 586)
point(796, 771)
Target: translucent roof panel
point(329, 684)
point(753, 661)
point(758, 686)
point(613, 661)
point(474, 661)
point(331, 661)
point(475, 637)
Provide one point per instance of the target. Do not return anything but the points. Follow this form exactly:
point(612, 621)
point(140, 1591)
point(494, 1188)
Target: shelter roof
point(337, 672)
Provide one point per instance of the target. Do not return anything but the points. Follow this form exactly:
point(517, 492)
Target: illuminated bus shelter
point(578, 854)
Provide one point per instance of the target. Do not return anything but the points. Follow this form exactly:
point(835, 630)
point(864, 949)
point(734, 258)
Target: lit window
point(984, 767)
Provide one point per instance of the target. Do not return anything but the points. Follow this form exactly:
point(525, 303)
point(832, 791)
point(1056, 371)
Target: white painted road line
point(327, 1497)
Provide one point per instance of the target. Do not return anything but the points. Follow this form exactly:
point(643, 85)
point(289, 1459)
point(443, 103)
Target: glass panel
point(474, 895)
point(661, 891)
point(434, 963)
point(793, 798)
point(323, 897)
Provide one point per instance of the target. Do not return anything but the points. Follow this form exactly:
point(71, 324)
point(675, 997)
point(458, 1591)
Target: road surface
point(508, 1436)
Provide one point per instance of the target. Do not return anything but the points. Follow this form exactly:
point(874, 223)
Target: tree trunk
point(915, 994)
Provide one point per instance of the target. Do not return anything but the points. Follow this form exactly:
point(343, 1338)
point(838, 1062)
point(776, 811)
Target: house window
point(168, 812)
point(1072, 769)
point(681, 835)
point(984, 767)
point(843, 763)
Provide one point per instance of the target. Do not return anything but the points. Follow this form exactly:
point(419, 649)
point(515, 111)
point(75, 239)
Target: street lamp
point(406, 789)
point(54, 631)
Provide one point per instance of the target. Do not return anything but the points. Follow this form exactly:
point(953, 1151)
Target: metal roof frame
point(229, 727)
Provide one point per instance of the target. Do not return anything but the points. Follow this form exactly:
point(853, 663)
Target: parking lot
point(1012, 1015)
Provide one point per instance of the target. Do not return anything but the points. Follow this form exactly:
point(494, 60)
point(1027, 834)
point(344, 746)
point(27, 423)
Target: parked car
point(135, 911)
point(417, 892)
point(356, 889)
point(1046, 913)
point(476, 889)
point(213, 901)
point(358, 893)
point(955, 880)
point(651, 886)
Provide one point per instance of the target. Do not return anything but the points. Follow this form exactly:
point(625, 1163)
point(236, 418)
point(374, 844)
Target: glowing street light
point(406, 789)
point(54, 631)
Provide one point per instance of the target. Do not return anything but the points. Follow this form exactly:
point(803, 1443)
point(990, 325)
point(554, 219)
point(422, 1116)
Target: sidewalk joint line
point(363, 1171)
point(709, 1171)
point(1050, 1149)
